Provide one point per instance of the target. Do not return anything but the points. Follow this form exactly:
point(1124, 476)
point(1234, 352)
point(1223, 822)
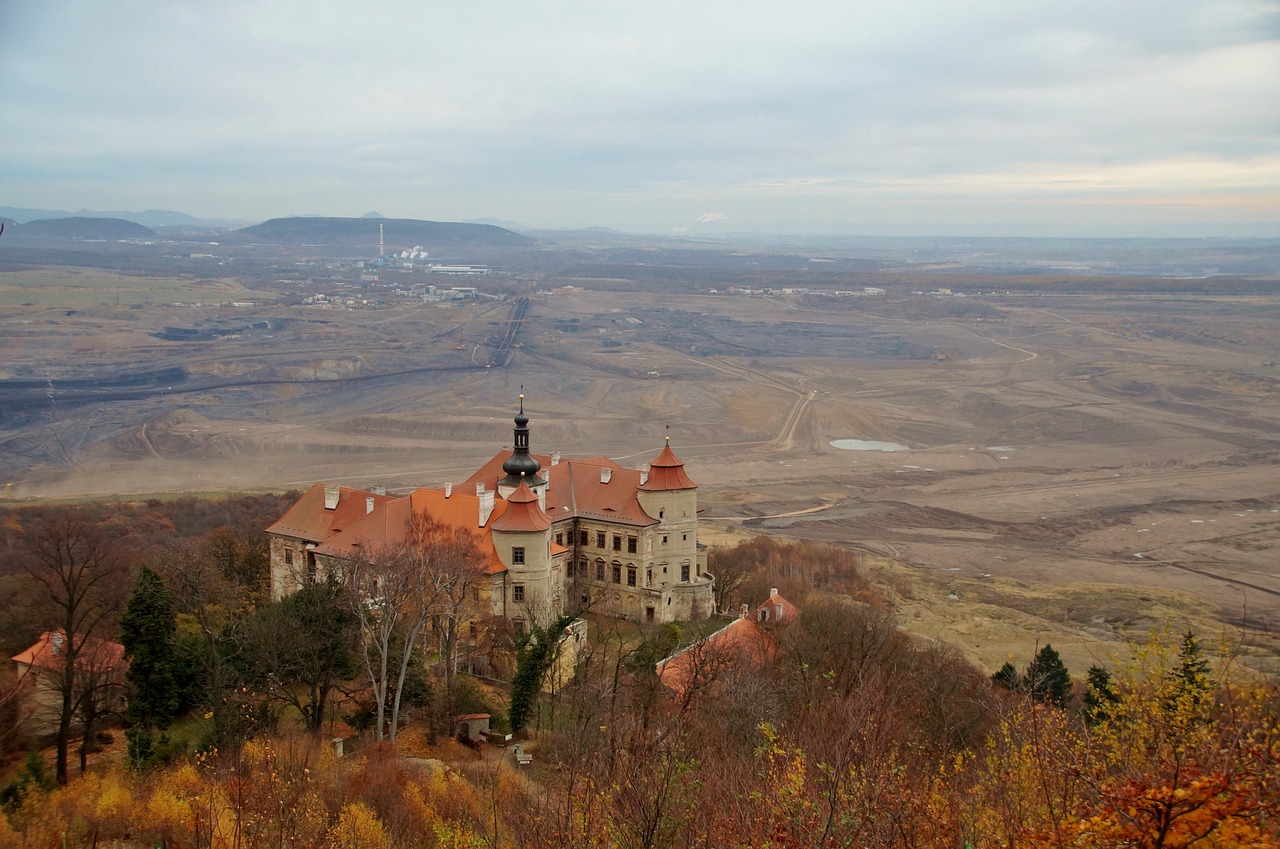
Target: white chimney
point(368, 505)
point(331, 491)
point(486, 506)
point(746, 610)
point(644, 473)
point(605, 474)
point(448, 490)
point(555, 459)
point(773, 591)
point(378, 490)
point(480, 489)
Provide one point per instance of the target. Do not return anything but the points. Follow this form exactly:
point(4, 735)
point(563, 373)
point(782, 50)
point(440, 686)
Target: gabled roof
point(388, 524)
point(94, 654)
point(308, 519)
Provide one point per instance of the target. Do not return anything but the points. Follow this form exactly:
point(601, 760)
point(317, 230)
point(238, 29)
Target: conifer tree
point(147, 631)
point(1007, 677)
point(1100, 695)
point(1047, 678)
point(1190, 678)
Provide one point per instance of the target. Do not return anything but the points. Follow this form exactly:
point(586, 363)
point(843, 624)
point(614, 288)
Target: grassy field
point(82, 288)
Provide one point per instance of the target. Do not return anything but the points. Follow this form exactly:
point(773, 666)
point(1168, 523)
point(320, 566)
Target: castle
point(558, 536)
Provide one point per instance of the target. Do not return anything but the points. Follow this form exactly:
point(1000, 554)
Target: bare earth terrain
point(1075, 468)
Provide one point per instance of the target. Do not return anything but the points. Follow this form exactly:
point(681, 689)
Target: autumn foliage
point(847, 732)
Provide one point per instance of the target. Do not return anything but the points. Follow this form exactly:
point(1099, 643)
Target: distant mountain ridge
point(79, 228)
point(149, 218)
point(400, 232)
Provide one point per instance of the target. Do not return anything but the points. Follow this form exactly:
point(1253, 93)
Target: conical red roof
point(667, 472)
point(523, 512)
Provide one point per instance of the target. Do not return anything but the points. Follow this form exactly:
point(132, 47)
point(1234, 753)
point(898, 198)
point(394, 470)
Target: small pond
point(866, 445)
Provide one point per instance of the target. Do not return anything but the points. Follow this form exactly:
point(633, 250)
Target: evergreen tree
point(147, 631)
point(1047, 678)
point(1008, 677)
point(1100, 695)
point(1190, 678)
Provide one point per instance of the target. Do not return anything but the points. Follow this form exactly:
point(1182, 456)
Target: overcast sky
point(951, 117)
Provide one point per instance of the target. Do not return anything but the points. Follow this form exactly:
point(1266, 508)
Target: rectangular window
point(568, 569)
point(664, 539)
point(582, 537)
point(617, 573)
point(631, 576)
point(599, 539)
point(648, 578)
point(517, 592)
point(475, 593)
point(560, 539)
point(288, 556)
point(517, 555)
point(684, 571)
point(617, 542)
point(471, 628)
point(599, 571)
point(631, 545)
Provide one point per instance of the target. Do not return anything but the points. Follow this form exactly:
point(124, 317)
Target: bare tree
point(395, 591)
point(83, 578)
point(457, 565)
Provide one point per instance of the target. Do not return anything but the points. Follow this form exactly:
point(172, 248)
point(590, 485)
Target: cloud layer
point(814, 117)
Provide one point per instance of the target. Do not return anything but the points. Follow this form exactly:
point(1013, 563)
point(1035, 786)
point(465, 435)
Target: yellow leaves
point(166, 810)
point(114, 800)
point(358, 827)
point(9, 839)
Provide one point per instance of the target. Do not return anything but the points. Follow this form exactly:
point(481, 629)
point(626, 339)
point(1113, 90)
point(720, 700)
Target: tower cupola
point(521, 464)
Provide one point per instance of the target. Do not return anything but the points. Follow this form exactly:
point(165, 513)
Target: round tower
point(522, 538)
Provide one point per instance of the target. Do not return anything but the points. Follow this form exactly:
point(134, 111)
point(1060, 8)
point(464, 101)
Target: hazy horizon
point(930, 119)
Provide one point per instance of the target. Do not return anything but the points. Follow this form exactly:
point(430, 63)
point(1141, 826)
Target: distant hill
point(80, 228)
point(398, 232)
point(150, 218)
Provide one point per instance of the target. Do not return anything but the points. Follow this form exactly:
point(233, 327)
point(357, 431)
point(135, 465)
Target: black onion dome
point(521, 462)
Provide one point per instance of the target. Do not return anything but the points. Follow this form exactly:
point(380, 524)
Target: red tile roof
point(700, 665)
point(308, 520)
point(388, 524)
point(93, 654)
point(667, 472)
point(523, 513)
point(770, 607)
point(574, 489)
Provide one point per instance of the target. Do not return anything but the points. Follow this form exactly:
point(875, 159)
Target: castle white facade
point(559, 536)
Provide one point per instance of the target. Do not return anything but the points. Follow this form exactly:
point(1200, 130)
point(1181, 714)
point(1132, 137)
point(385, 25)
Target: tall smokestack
point(379, 240)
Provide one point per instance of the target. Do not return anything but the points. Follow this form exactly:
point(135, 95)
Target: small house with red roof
point(748, 642)
point(99, 673)
point(557, 534)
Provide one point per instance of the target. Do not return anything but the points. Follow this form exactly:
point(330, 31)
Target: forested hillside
point(833, 728)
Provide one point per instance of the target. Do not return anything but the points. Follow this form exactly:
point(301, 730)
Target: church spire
point(520, 463)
